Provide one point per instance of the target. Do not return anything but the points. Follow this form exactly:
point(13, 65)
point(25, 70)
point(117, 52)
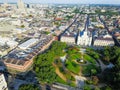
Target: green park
point(61, 63)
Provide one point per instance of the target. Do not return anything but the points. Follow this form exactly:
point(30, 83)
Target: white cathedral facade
point(84, 38)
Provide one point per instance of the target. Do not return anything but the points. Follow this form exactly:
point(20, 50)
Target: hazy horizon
point(66, 1)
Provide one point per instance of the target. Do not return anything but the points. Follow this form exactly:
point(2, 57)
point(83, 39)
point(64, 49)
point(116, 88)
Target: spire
point(86, 27)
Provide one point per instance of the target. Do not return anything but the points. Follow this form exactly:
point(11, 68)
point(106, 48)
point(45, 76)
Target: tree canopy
point(43, 63)
point(29, 87)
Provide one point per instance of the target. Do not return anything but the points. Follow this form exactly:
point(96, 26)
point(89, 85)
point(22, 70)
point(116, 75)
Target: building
point(21, 4)
point(4, 50)
point(21, 7)
point(8, 41)
point(22, 59)
point(6, 45)
point(68, 38)
point(28, 43)
point(19, 65)
point(101, 42)
point(84, 38)
point(3, 84)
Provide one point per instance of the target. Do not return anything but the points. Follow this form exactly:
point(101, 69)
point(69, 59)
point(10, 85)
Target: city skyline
point(67, 1)
point(59, 44)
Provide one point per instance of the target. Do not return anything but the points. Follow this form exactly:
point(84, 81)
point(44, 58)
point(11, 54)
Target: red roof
point(58, 19)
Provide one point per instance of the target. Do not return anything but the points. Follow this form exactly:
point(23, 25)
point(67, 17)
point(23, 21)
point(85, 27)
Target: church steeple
point(86, 27)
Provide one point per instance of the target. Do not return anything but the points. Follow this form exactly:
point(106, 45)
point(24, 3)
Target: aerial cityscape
point(60, 45)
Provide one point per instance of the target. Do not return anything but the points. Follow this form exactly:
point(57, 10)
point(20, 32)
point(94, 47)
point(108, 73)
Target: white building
point(84, 38)
point(6, 45)
point(21, 7)
point(16, 22)
point(6, 40)
point(68, 38)
point(12, 43)
point(21, 4)
point(3, 84)
point(106, 40)
point(103, 42)
point(28, 43)
point(19, 30)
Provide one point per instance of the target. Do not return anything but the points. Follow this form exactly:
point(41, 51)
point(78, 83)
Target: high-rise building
point(21, 4)
point(21, 7)
point(28, 6)
point(3, 84)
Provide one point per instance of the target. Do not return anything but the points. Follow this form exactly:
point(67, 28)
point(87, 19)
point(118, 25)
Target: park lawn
point(89, 59)
point(66, 74)
point(86, 70)
point(72, 84)
point(73, 67)
point(74, 56)
point(59, 80)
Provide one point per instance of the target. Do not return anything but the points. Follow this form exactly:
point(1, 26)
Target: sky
point(69, 1)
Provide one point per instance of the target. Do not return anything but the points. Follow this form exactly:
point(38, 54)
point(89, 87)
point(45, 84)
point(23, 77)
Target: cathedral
point(84, 38)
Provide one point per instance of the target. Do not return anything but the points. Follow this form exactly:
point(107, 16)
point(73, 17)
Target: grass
point(89, 58)
point(70, 79)
point(66, 74)
point(72, 84)
point(73, 67)
point(59, 80)
point(69, 76)
point(86, 70)
point(75, 56)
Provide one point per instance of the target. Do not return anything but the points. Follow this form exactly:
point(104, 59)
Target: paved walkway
point(17, 83)
point(102, 65)
point(80, 81)
point(59, 73)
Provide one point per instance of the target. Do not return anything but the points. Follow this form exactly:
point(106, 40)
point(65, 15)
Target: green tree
point(86, 87)
point(43, 67)
point(95, 80)
point(29, 87)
